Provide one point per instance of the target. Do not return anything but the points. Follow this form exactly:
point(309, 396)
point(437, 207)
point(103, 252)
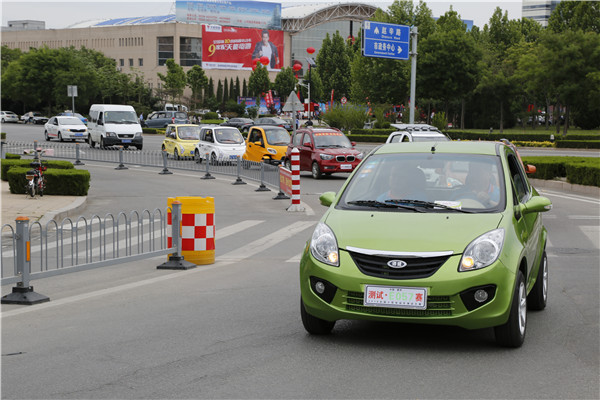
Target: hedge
point(578, 170)
point(578, 144)
point(7, 164)
point(64, 182)
point(11, 156)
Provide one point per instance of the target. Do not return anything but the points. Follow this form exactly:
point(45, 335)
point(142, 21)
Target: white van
point(175, 107)
point(114, 124)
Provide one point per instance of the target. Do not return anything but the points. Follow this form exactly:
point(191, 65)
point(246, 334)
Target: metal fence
point(266, 174)
point(34, 251)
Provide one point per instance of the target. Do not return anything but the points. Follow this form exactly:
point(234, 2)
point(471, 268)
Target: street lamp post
point(310, 51)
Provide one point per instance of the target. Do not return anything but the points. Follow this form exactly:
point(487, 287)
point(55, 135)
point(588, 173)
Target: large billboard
point(227, 47)
point(249, 14)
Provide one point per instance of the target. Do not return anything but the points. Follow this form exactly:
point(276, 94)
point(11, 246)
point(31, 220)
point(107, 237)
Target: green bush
point(210, 115)
point(215, 121)
point(347, 117)
point(63, 182)
point(7, 164)
point(578, 170)
point(153, 131)
point(3, 135)
point(578, 144)
point(11, 156)
point(439, 120)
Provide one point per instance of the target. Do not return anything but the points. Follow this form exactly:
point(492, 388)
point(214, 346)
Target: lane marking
point(570, 197)
point(232, 257)
point(267, 241)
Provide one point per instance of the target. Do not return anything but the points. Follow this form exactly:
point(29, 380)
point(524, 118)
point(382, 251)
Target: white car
point(219, 144)
point(416, 133)
point(65, 128)
point(9, 116)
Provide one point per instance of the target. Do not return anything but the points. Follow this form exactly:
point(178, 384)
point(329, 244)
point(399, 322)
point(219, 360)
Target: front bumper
point(445, 306)
point(333, 166)
point(123, 141)
point(75, 135)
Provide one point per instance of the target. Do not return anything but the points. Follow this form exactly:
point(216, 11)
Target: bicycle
point(36, 181)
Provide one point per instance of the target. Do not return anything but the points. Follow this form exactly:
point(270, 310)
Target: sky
point(61, 14)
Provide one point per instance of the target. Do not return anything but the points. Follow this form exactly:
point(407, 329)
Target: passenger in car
point(405, 184)
point(481, 184)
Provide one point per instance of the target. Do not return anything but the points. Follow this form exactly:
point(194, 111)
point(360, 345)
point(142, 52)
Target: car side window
point(297, 139)
point(307, 141)
point(255, 136)
point(405, 138)
point(209, 136)
point(518, 179)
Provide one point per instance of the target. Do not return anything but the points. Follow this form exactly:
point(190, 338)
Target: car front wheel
point(539, 294)
point(288, 164)
point(46, 136)
point(314, 325)
point(197, 157)
point(512, 333)
point(316, 170)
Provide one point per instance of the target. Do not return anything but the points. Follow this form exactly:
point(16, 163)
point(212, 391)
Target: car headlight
point(138, 134)
point(111, 134)
point(326, 156)
point(360, 156)
point(323, 245)
point(272, 151)
point(482, 251)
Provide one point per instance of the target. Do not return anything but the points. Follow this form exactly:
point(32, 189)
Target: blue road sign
point(385, 40)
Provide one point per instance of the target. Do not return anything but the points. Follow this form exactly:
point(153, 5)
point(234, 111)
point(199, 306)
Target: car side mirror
point(259, 143)
point(535, 205)
point(327, 198)
point(530, 169)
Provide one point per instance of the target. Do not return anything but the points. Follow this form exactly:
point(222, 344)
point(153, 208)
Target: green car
point(446, 233)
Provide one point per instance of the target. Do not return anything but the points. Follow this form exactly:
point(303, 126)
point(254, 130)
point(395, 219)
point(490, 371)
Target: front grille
point(126, 136)
point(416, 267)
point(350, 158)
point(78, 130)
point(437, 306)
point(345, 158)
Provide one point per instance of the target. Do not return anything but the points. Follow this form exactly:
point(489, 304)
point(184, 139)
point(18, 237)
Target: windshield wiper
point(379, 204)
point(427, 204)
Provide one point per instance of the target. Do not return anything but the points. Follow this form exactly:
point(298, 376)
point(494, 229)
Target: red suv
point(323, 151)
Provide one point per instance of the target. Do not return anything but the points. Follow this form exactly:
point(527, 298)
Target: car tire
point(3, 120)
point(102, 144)
point(197, 157)
point(46, 136)
point(140, 147)
point(176, 154)
point(91, 142)
point(213, 159)
point(314, 325)
point(316, 170)
point(60, 138)
point(538, 296)
point(512, 333)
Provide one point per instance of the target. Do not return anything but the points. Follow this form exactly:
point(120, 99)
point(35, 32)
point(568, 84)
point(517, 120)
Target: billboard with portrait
point(227, 47)
point(249, 14)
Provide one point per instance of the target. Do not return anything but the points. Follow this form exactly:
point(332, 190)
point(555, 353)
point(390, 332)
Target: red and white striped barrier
point(295, 182)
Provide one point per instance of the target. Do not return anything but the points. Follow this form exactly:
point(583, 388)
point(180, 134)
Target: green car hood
point(409, 231)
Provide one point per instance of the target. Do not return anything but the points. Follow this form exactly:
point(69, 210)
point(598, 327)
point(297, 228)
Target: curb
point(566, 186)
point(63, 212)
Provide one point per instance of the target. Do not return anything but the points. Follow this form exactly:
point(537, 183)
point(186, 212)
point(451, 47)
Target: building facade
point(539, 10)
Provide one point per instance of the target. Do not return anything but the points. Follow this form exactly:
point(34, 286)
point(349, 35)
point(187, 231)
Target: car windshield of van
point(180, 115)
point(425, 182)
point(120, 117)
point(228, 136)
point(331, 139)
point(277, 136)
point(189, 132)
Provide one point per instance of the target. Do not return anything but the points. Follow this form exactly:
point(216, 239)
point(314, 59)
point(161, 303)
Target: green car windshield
point(426, 182)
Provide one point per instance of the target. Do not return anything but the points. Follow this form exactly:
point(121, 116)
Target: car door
point(168, 141)
point(306, 149)
point(52, 127)
point(255, 147)
point(529, 226)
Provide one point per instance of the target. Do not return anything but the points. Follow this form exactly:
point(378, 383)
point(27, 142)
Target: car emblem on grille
point(396, 264)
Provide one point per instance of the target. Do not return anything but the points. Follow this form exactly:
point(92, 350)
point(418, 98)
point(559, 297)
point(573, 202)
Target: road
point(233, 329)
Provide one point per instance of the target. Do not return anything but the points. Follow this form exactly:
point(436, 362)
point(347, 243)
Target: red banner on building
point(225, 47)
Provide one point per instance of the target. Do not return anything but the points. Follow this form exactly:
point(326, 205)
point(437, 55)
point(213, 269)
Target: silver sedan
point(65, 128)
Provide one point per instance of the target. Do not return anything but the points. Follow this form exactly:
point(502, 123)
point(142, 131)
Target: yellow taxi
point(266, 143)
point(180, 140)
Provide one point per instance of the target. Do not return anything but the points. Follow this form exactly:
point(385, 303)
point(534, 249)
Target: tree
point(237, 92)
point(174, 81)
point(197, 81)
point(575, 15)
point(333, 66)
point(259, 82)
point(285, 82)
point(245, 89)
point(225, 90)
point(450, 47)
